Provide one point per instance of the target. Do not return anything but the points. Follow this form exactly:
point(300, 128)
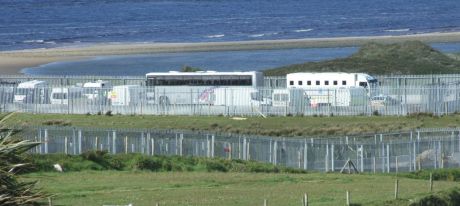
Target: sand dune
point(12, 61)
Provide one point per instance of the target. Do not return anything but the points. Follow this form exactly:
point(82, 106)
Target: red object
point(226, 149)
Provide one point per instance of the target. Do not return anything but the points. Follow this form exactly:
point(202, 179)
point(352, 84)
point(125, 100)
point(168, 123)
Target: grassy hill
point(412, 57)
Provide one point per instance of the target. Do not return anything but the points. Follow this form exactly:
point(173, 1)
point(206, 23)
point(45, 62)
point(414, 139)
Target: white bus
point(199, 87)
point(333, 88)
point(329, 80)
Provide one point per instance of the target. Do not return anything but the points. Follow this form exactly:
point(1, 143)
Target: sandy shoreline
point(11, 62)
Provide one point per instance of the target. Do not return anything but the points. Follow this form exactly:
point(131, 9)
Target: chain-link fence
point(232, 101)
point(389, 152)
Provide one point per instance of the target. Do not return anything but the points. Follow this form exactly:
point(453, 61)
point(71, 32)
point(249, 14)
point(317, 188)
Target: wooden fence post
point(396, 188)
point(305, 199)
point(348, 198)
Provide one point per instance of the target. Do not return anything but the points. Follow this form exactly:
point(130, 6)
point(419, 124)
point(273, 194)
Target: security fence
point(384, 153)
point(232, 101)
point(393, 81)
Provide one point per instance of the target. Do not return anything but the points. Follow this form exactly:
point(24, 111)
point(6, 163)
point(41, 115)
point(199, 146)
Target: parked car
point(383, 100)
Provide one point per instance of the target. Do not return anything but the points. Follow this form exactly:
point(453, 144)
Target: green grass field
point(273, 126)
point(203, 188)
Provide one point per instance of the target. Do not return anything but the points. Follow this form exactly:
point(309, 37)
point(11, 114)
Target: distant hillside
point(412, 57)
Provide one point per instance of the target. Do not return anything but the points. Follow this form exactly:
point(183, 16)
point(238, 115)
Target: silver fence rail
point(378, 153)
point(232, 101)
point(395, 81)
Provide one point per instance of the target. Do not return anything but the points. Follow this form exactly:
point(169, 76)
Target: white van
point(96, 90)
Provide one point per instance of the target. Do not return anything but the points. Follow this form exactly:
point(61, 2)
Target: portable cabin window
point(326, 82)
point(317, 82)
point(344, 82)
point(335, 82)
point(291, 82)
point(308, 82)
point(363, 84)
point(300, 83)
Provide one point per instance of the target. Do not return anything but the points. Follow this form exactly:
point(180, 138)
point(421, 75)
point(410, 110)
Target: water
point(217, 61)
point(26, 24)
point(51, 23)
point(134, 65)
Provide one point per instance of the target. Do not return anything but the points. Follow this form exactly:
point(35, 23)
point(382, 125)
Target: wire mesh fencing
point(232, 101)
point(378, 153)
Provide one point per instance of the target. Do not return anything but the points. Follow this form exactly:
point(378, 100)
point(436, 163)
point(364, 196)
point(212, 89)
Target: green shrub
point(145, 163)
point(101, 160)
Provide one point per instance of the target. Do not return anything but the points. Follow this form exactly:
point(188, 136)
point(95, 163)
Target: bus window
point(363, 84)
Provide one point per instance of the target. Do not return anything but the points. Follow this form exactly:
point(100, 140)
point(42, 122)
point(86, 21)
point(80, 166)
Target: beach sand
point(11, 62)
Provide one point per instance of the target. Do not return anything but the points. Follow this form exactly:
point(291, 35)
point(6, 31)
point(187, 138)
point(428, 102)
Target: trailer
point(237, 96)
point(127, 95)
point(34, 91)
point(62, 95)
point(340, 97)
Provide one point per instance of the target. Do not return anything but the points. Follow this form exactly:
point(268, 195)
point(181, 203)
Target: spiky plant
point(12, 191)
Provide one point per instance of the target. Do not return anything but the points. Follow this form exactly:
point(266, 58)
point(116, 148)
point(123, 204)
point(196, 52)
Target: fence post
point(126, 144)
point(176, 151)
point(414, 157)
point(65, 145)
point(181, 139)
point(244, 149)
point(305, 155)
point(326, 158)
point(275, 149)
point(95, 144)
point(396, 161)
point(46, 140)
point(152, 146)
point(305, 199)
point(114, 142)
point(388, 158)
point(332, 158)
point(348, 198)
point(362, 158)
point(248, 154)
point(383, 157)
point(435, 155)
point(270, 152)
point(431, 182)
point(396, 188)
point(373, 163)
point(208, 145)
point(79, 141)
point(212, 145)
point(230, 150)
point(441, 159)
point(265, 202)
